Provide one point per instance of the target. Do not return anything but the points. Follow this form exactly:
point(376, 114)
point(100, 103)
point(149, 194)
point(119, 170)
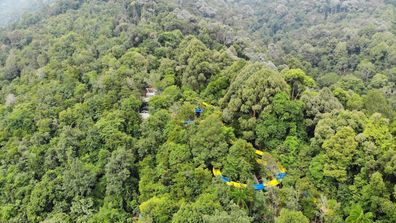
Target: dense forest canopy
point(308, 85)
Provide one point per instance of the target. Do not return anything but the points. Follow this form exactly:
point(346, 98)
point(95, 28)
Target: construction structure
point(144, 110)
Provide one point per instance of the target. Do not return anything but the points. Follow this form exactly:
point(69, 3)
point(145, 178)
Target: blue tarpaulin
point(259, 186)
point(280, 176)
point(225, 179)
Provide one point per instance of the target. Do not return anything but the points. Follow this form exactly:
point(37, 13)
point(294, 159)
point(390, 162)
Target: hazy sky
point(12, 9)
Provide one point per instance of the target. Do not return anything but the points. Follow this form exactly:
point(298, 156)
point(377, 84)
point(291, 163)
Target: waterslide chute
point(261, 186)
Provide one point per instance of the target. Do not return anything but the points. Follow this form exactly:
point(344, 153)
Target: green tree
point(149, 182)
point(340, 150)
point(317, 104)
point(379, 81)
point(298, 81)
point(329, 210)
point(236, 214)
point(281, 119)
point(351, 82)
point(11, 69)
point(79, 179)
point(196, 61)
point(249, 94)
point(157, 209)
point(44, 196)
point(152, 133)
point(288, 216)
point(206, 204)
point(239, 163)
point(356, 215)
point(375, 101)
point(209, 141)
point(328, 79)
point(366, 70)
point(133, 59)
point(376, 198)
point(120, 178)
point(112, 128)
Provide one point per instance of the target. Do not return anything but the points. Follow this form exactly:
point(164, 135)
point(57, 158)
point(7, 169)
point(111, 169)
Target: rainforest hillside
point(199, 111)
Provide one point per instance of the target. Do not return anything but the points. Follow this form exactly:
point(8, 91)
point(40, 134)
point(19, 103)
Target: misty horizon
point(12, 10)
